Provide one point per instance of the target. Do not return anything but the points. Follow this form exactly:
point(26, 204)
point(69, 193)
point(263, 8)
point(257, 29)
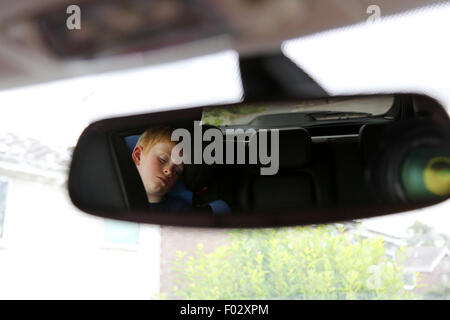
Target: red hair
point(154, 135)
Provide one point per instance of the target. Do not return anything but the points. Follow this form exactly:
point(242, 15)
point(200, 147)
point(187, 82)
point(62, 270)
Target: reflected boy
point(152, 156)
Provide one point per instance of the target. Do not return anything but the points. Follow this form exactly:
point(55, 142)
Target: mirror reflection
point(288, 157)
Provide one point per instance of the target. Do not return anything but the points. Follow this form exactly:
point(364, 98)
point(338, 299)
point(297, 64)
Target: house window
point(120, 234)
point(3, 191)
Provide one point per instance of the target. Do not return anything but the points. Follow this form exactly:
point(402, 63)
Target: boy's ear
point(136, 155)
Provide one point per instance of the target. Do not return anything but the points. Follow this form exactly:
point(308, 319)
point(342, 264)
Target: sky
point(402, 53)
point(407, 52)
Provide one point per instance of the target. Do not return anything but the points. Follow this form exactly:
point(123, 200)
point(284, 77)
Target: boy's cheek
point(151, 166)
point(147, 172)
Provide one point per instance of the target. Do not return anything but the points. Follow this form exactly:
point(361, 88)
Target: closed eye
point(162, 160)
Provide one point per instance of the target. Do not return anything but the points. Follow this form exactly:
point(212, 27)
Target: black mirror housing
point(366, 177)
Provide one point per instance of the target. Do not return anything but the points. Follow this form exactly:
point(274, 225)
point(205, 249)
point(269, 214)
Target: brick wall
point(175, 239)
point(433, 279)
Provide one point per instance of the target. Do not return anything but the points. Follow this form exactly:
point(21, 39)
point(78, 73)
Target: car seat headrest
point(369, 136)
point(294, 152)
point(198, 176)
point(295, 148)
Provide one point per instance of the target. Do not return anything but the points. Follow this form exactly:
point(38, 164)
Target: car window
point(55, 251)
point(395, 257)
point(333, 109)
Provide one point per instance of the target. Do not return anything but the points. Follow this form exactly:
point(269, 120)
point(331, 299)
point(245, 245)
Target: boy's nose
point(167, 171)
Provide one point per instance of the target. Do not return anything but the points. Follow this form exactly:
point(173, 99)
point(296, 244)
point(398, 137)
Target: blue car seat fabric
point(219, 207)
point(179, 190)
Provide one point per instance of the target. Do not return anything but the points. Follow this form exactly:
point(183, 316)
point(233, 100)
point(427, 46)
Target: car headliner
point(24, 60)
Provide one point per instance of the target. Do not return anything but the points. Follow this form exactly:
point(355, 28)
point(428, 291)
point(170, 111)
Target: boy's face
point(157, 170)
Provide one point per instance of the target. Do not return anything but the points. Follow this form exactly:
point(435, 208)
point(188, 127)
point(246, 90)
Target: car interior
point(346, 161)
point(329, 161)
point(337, 170)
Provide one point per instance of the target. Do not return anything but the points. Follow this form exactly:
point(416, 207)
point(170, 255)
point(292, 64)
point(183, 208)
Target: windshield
point(307, 111)
point(49, 249)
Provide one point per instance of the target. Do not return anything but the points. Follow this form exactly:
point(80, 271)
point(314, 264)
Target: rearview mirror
point(272, 163)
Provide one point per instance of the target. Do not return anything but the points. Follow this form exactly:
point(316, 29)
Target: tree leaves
point(291, 263)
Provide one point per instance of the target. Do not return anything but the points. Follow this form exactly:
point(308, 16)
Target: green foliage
point(423, 235)
point(159, 296)
point(293, 263)
point(248, 109)
point(225, 116)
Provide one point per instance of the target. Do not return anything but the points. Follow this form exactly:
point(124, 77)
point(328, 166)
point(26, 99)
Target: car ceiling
point(258, 26)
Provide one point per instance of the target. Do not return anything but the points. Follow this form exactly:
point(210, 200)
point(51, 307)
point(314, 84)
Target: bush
point(294, 263)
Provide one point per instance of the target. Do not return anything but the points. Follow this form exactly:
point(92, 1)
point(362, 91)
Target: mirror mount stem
point(275, 76)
